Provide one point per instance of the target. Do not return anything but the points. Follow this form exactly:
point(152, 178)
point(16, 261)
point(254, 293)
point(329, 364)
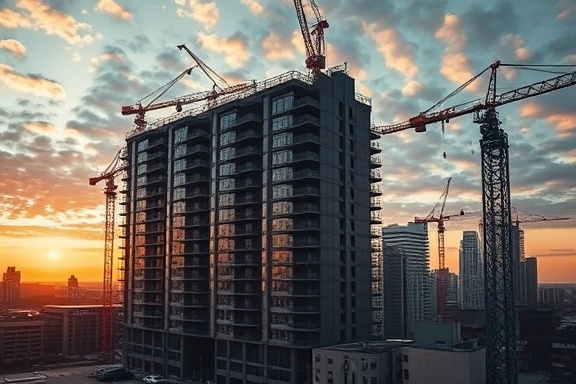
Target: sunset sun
point(53, 255)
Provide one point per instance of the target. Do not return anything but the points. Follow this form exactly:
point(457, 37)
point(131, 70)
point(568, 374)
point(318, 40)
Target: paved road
point(70, 375)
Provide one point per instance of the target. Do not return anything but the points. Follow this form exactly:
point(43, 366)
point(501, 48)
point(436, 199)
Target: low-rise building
point(75, 329)
point(21, 333)
point(439, 356)
point(373, 362)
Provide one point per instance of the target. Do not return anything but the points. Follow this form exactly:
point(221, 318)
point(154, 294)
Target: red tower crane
point(499, 288)
point(116, 167)
point(140, 108)
point(313, 38)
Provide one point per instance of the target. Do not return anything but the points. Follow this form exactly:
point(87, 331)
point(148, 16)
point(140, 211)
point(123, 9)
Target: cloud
point(40, 16)
point(254, 6)
point(12, 20)
point(455, 64)
point(567, 9)
point(205, 12)
point(564, 121)
point(113, 8)
point(516, 42)
point(235, 49)
point(14, 47)
point(451, 33)
point(395, 50)
point(455, 67)
point(29, 83)
point(412, 88)
point(275, 48)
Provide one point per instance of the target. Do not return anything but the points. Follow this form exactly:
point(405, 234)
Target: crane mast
point(497, 221)
point(313, 39)
point(107, 319)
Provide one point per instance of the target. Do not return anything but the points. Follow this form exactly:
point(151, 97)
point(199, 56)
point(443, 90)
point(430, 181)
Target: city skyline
point(67, 68)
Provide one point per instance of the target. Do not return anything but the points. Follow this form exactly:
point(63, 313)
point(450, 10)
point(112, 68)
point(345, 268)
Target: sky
point(67, 67)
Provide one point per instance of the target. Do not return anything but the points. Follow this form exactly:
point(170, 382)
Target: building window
point(406, 375)
point(281, 122)
point(282, 190)
point(180, 135)
point(317, 358)
point(227, 153)
point(227, 169)
point(281, 174)
point(227, 138)
point(282, 139)
point(143, 145)
point(405, 358)
point(281, 157)
point(282, 103)
point(330, 360)
point(227, 120)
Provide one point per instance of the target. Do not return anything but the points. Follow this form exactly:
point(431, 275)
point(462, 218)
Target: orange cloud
point(395, 50)
point(12, 20)
point(455, 67)
point(205, 12)
point(113, 8)
point(39, 16)
point(30, 83)
point(451, 33)
point(564, 122)
point(234, 49)
point(411, 88)
point(14, 47)
point(275, 48)
point(38, 127)
point(517, 43)
point(254, 6)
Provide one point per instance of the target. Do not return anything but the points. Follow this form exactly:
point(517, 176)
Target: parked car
point(155, 379)
point(116, 374)
point(102, 368)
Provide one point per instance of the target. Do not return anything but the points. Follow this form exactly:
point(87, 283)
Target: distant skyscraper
point(471, 272)
point(408, 243)
point(452, 288)
point(531, 267)
point(518, 266)
point(394, 302)
point(72, 289)
point(11, 288)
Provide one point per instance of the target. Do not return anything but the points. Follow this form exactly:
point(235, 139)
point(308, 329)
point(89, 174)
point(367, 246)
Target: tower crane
point(140, 108)
point(439, 218)
point(314, 37)
point(520, 216)
point(116, 167)
point(499, 288)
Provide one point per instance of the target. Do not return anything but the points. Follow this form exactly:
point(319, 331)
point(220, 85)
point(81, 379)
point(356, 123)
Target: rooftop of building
point(18, 314)
point(255, 87)
point(372, 346)
point(79, 306)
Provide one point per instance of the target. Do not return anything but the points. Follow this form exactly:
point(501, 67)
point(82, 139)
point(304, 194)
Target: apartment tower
point(247, 232)
point(407, 278)
point(471, 293)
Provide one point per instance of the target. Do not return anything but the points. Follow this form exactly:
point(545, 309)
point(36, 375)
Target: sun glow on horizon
point(53, 255)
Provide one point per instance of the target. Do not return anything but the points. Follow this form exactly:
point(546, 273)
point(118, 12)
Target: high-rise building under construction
point(247, 233)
